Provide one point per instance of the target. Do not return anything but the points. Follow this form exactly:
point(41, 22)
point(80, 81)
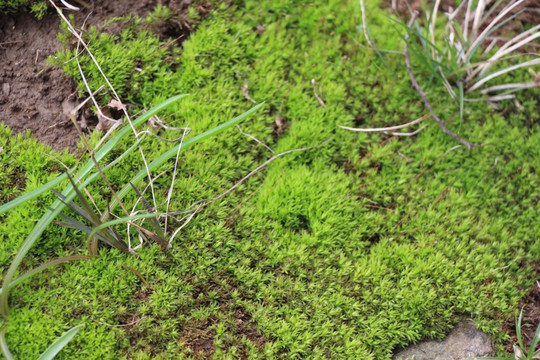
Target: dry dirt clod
point(32, 94)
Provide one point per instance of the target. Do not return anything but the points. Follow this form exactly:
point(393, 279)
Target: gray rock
point(464, 342)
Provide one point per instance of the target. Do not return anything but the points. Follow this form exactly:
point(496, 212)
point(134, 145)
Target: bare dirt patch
point(37, 96)
point(529, 322)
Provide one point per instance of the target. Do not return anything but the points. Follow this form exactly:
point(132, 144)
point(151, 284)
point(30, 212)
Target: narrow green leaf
point(172, 152)
point(461, 101)
point(89, 165)
point(534, 342)
point(46, 266)
point(518, 330)
point(32, 194)
point(59, 343)
point(57, 206)
point(4, 346)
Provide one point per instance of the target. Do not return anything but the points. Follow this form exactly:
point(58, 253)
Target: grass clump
point(350, 251)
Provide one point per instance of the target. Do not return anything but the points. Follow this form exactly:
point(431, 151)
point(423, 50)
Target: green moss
point(37, 7)
point(346, 251)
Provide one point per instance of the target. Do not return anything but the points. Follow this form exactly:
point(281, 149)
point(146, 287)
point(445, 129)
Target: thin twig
point(422, 94)
point(317, 96)
point(397, 127)
point(255, 139)
point(72, 115)
point(364, 22)
point(452, 149)
point(136, 134)
point(201, 204)
point(171, 188)
point(121, 325)
point(409, 133)
point(139, 275)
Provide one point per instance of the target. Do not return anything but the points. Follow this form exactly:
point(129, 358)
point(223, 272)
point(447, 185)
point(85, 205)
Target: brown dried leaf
point(104, 124)
point(115, 104)
point(260, 29)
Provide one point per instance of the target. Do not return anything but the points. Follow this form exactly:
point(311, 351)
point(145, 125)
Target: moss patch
point(348, 251)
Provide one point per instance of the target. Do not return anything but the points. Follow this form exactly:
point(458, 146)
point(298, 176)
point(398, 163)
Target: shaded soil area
point(39, 97)
point(198, 336)
point(529, 322)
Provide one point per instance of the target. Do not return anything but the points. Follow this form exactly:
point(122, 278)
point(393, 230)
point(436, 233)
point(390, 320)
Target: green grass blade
point(44, 267)
point(59, 343)
point(72, 223)
point(32, 194)
point(86, 211)
point(58, 206)
point(518, 330)
point(461, 101)
point(89, 165)
point(3, 345)
point(534, 342)
point(72, 205)
point(123, 247)
point(172, 152)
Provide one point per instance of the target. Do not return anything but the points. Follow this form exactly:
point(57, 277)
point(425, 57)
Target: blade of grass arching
point(509, 48)
point(60, 343)
point(56, 209)
point(32, 194)
point(489, 29)
point(158, 231)
point(4, 346)
point(474, 48)
point(513, 87)
point(502, 72)
point(72, 223)
point(518, 330)
point(72, 205)
point(431, 21)
point(461, 96)
point(493, 7)
point(44, 267)
point(121, 220)
point(172, 152)
point(532, 348)
point(99, 155)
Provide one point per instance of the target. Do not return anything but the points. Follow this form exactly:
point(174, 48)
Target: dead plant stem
point(422, 94)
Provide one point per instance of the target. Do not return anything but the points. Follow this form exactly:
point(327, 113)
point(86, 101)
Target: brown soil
point(529, 322)
point(38, 97)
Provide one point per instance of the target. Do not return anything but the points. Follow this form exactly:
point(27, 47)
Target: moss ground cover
point(348, 251)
